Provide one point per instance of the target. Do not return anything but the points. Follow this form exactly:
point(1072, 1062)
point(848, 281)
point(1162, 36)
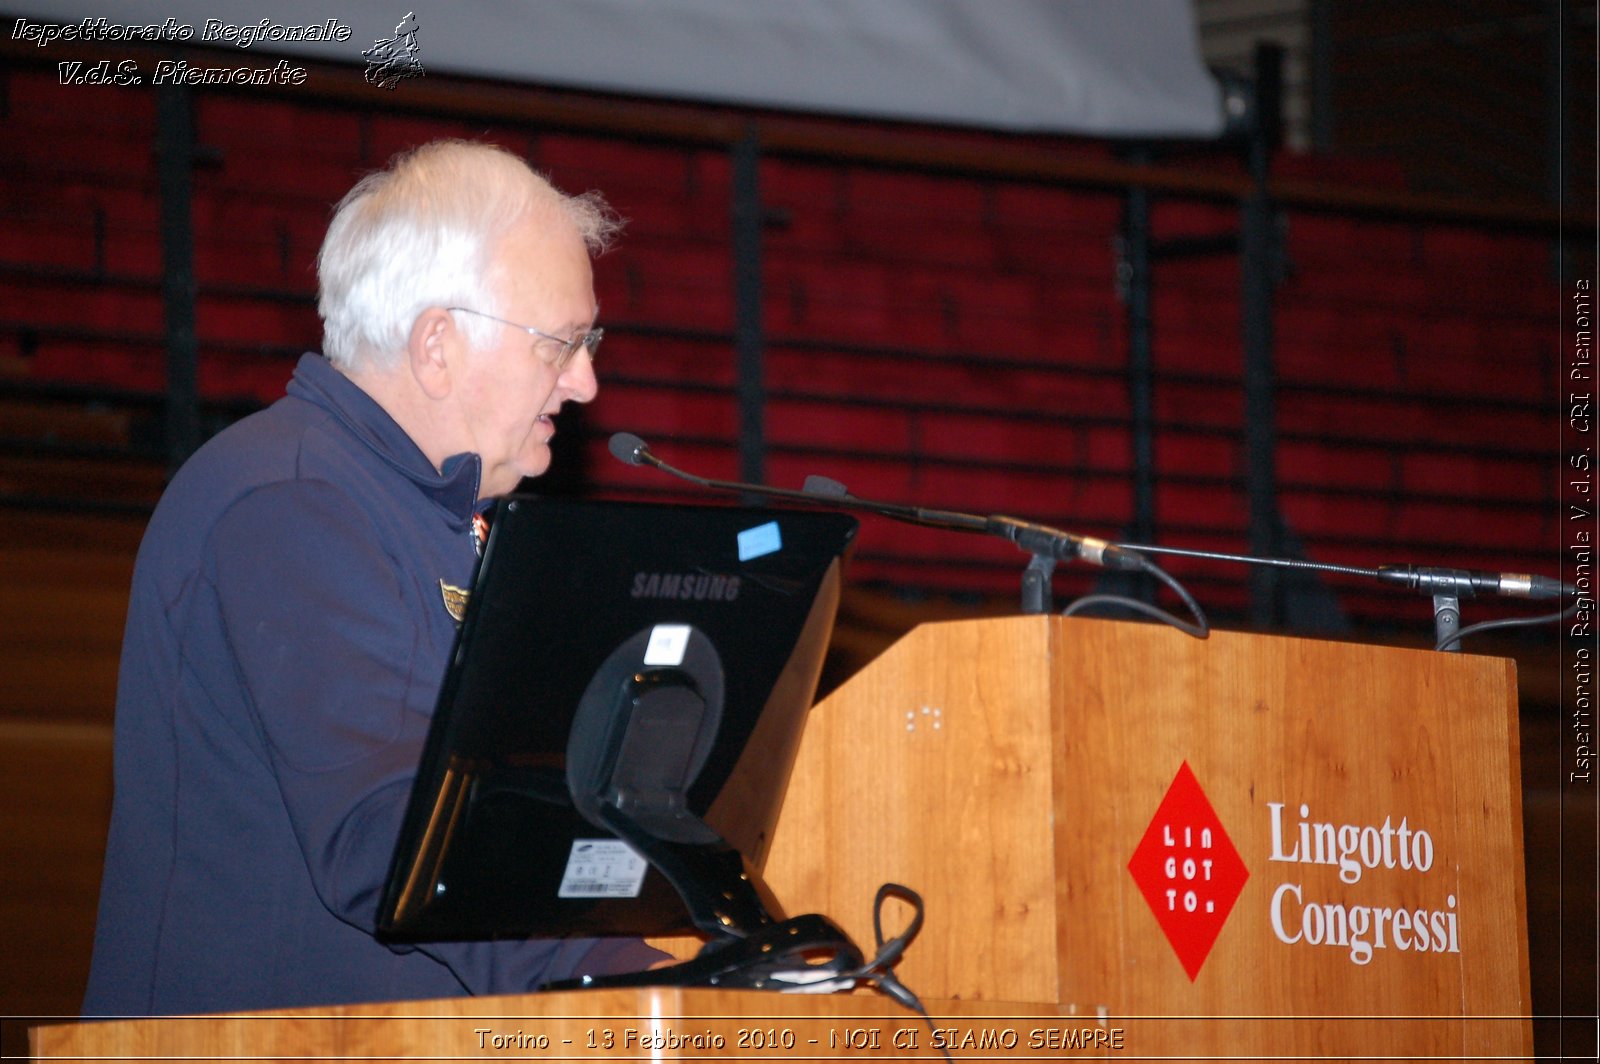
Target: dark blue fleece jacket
point(286, 639)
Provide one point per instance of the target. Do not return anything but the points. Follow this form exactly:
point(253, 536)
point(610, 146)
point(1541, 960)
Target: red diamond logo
point(1188, 870)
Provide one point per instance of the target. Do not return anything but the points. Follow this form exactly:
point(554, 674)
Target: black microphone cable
point(1507, 622)
point(879, 971)
point(1200, 628)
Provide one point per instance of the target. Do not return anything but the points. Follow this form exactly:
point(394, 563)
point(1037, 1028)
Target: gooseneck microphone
point(626, 447)
point(822, 491)
point(1047, 545)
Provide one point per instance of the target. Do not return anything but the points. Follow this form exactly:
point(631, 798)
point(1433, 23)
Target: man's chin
point(511, 479)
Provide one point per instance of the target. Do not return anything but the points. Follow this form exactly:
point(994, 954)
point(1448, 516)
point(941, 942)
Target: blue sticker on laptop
point(760, 540)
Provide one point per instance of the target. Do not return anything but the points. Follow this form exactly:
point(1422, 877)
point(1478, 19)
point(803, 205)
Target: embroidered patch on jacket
point(455, 600)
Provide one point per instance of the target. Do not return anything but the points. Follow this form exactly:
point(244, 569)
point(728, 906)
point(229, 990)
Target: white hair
point(422, 233)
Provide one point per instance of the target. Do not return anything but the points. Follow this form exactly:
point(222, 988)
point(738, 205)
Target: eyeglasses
point(588, 341)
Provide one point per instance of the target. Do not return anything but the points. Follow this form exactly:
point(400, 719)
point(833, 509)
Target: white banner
point(1094, 67)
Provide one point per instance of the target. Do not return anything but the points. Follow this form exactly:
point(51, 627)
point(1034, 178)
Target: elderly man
point(291, 614)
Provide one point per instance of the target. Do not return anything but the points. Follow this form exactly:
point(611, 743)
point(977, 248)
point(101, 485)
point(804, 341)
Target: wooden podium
point(1247, 845)
point(1063, 793)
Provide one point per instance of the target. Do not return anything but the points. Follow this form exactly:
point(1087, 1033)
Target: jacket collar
point(316, 381)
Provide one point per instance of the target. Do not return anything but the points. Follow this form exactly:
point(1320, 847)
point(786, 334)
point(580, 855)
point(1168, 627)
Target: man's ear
point(430, 351)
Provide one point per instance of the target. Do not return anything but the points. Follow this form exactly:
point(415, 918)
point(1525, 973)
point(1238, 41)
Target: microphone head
point(626, 447)
point(825, 486)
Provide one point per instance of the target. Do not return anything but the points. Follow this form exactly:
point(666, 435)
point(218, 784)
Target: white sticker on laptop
point(667, 645)
point(760, 541)
point(602, 868)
